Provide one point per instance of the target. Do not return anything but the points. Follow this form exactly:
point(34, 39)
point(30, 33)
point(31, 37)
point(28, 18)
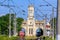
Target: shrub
point(27, 38)
point(7, 38)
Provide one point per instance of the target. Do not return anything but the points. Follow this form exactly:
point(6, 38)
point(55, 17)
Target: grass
point(34, 37)
point(7, 38)
point(26, 37)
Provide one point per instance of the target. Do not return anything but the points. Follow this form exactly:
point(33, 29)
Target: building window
point(30, 22)
point(30, 31)
point(30, 25)
point(31, 18)
point(37, 24)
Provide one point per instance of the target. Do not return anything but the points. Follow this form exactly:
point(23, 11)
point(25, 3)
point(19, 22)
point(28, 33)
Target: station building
point(31, 25)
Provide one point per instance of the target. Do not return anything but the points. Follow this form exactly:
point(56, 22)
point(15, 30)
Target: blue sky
point(22, 5)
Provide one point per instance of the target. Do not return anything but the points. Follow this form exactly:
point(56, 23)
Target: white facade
point(31, 25)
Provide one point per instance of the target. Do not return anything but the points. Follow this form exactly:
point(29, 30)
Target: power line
point(10, 9)
point(39, 16)
point(44, 15)
point(48, 10)
point(3, 1)
point(49, 4)
point(29, 1)
point(39, 11)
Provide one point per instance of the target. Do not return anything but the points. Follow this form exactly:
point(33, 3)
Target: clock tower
point(30, 21)
point(31, 15)
point(31, 25)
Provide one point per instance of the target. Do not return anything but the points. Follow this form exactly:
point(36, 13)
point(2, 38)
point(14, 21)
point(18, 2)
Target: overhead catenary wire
point(30, 2)
point(2, 1)
point(40, 12)
point(49, 4)
point(25, 11)
point(10, 9)
point(48, 10)
point(39, 16)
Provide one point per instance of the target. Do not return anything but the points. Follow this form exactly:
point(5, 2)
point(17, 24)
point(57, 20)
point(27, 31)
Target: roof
point(36, 21)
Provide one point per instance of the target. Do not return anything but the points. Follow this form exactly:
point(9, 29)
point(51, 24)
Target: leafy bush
point(48, 38)
point(7, 38)
point(27, 38)
point(42, 37)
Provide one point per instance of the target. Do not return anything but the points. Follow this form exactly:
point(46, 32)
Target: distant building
point(31, 25)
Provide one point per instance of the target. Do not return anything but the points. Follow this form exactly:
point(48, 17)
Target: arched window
point(30, 30)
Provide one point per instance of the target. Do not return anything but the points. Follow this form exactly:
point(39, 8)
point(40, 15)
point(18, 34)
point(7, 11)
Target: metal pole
point(9, 20)
point(0, 30)
point(14, 23)
point(58, 22)
point(45, 25)
point(53, 20)
point(10, 25)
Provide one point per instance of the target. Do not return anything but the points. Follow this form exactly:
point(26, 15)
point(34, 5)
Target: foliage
point(19, 23)
point(53, 21)
point(4, 21)
point(27, 38)
point(42, 38)
point(7, 38)
point(4, 24)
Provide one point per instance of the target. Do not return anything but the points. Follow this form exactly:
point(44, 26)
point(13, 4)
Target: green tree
point(4, 24)
point(19, 23)
point(53, 21)
point(4, 21)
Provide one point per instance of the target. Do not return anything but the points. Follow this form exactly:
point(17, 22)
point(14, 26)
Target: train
point(39, 32)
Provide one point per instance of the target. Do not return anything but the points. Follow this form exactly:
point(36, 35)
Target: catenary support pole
point(58, 22)
point(10, 25)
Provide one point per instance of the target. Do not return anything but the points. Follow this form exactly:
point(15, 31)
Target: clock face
point(31, 23)
point(30, 11)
